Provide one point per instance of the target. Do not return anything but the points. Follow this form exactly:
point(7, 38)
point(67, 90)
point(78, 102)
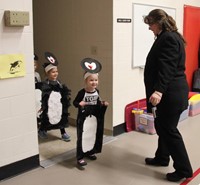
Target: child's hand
point(82, 103)
point(105, 103)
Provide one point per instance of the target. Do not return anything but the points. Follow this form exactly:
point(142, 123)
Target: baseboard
point(19, 167)
point(119, 129)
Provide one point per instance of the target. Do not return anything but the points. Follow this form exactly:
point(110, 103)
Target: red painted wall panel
point(191, 32)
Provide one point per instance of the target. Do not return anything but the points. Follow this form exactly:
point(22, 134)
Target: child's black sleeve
point(79, 98)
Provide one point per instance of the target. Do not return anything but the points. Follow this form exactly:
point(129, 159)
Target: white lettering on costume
point(91, 98)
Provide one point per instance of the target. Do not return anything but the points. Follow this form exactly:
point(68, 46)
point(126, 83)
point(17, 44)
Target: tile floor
point(54, 146)
point(120, 163)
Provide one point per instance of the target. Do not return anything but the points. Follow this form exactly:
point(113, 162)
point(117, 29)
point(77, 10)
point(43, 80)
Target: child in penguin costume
point(91, 110)
point(55, 100)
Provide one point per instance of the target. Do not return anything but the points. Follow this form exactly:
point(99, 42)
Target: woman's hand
point(155, 98)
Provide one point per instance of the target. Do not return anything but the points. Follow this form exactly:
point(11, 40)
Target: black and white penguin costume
point(55, 100)
point(90, 118)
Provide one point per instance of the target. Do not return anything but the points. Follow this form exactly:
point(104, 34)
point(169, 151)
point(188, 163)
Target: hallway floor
point(54, 146)
point(120, 163)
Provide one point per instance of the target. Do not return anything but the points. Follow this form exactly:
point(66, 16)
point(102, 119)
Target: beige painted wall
point(70, 29)
point(18, 128)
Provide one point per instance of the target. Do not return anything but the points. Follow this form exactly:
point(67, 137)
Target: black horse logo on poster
point(14, 66)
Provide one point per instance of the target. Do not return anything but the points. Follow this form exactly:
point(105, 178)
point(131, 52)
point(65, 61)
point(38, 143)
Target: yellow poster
point(12, 65)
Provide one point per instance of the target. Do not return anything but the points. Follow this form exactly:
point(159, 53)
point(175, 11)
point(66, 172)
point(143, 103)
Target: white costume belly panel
point(89, 133)
point(54, 108)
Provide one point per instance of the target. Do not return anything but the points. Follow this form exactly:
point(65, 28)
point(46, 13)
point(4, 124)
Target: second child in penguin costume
point(91, 110)
point(55, 100)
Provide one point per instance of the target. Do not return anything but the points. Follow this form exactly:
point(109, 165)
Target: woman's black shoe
point(155, 162)
point(175, 177)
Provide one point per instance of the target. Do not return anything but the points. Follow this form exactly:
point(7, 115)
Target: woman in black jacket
point(167, 92)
